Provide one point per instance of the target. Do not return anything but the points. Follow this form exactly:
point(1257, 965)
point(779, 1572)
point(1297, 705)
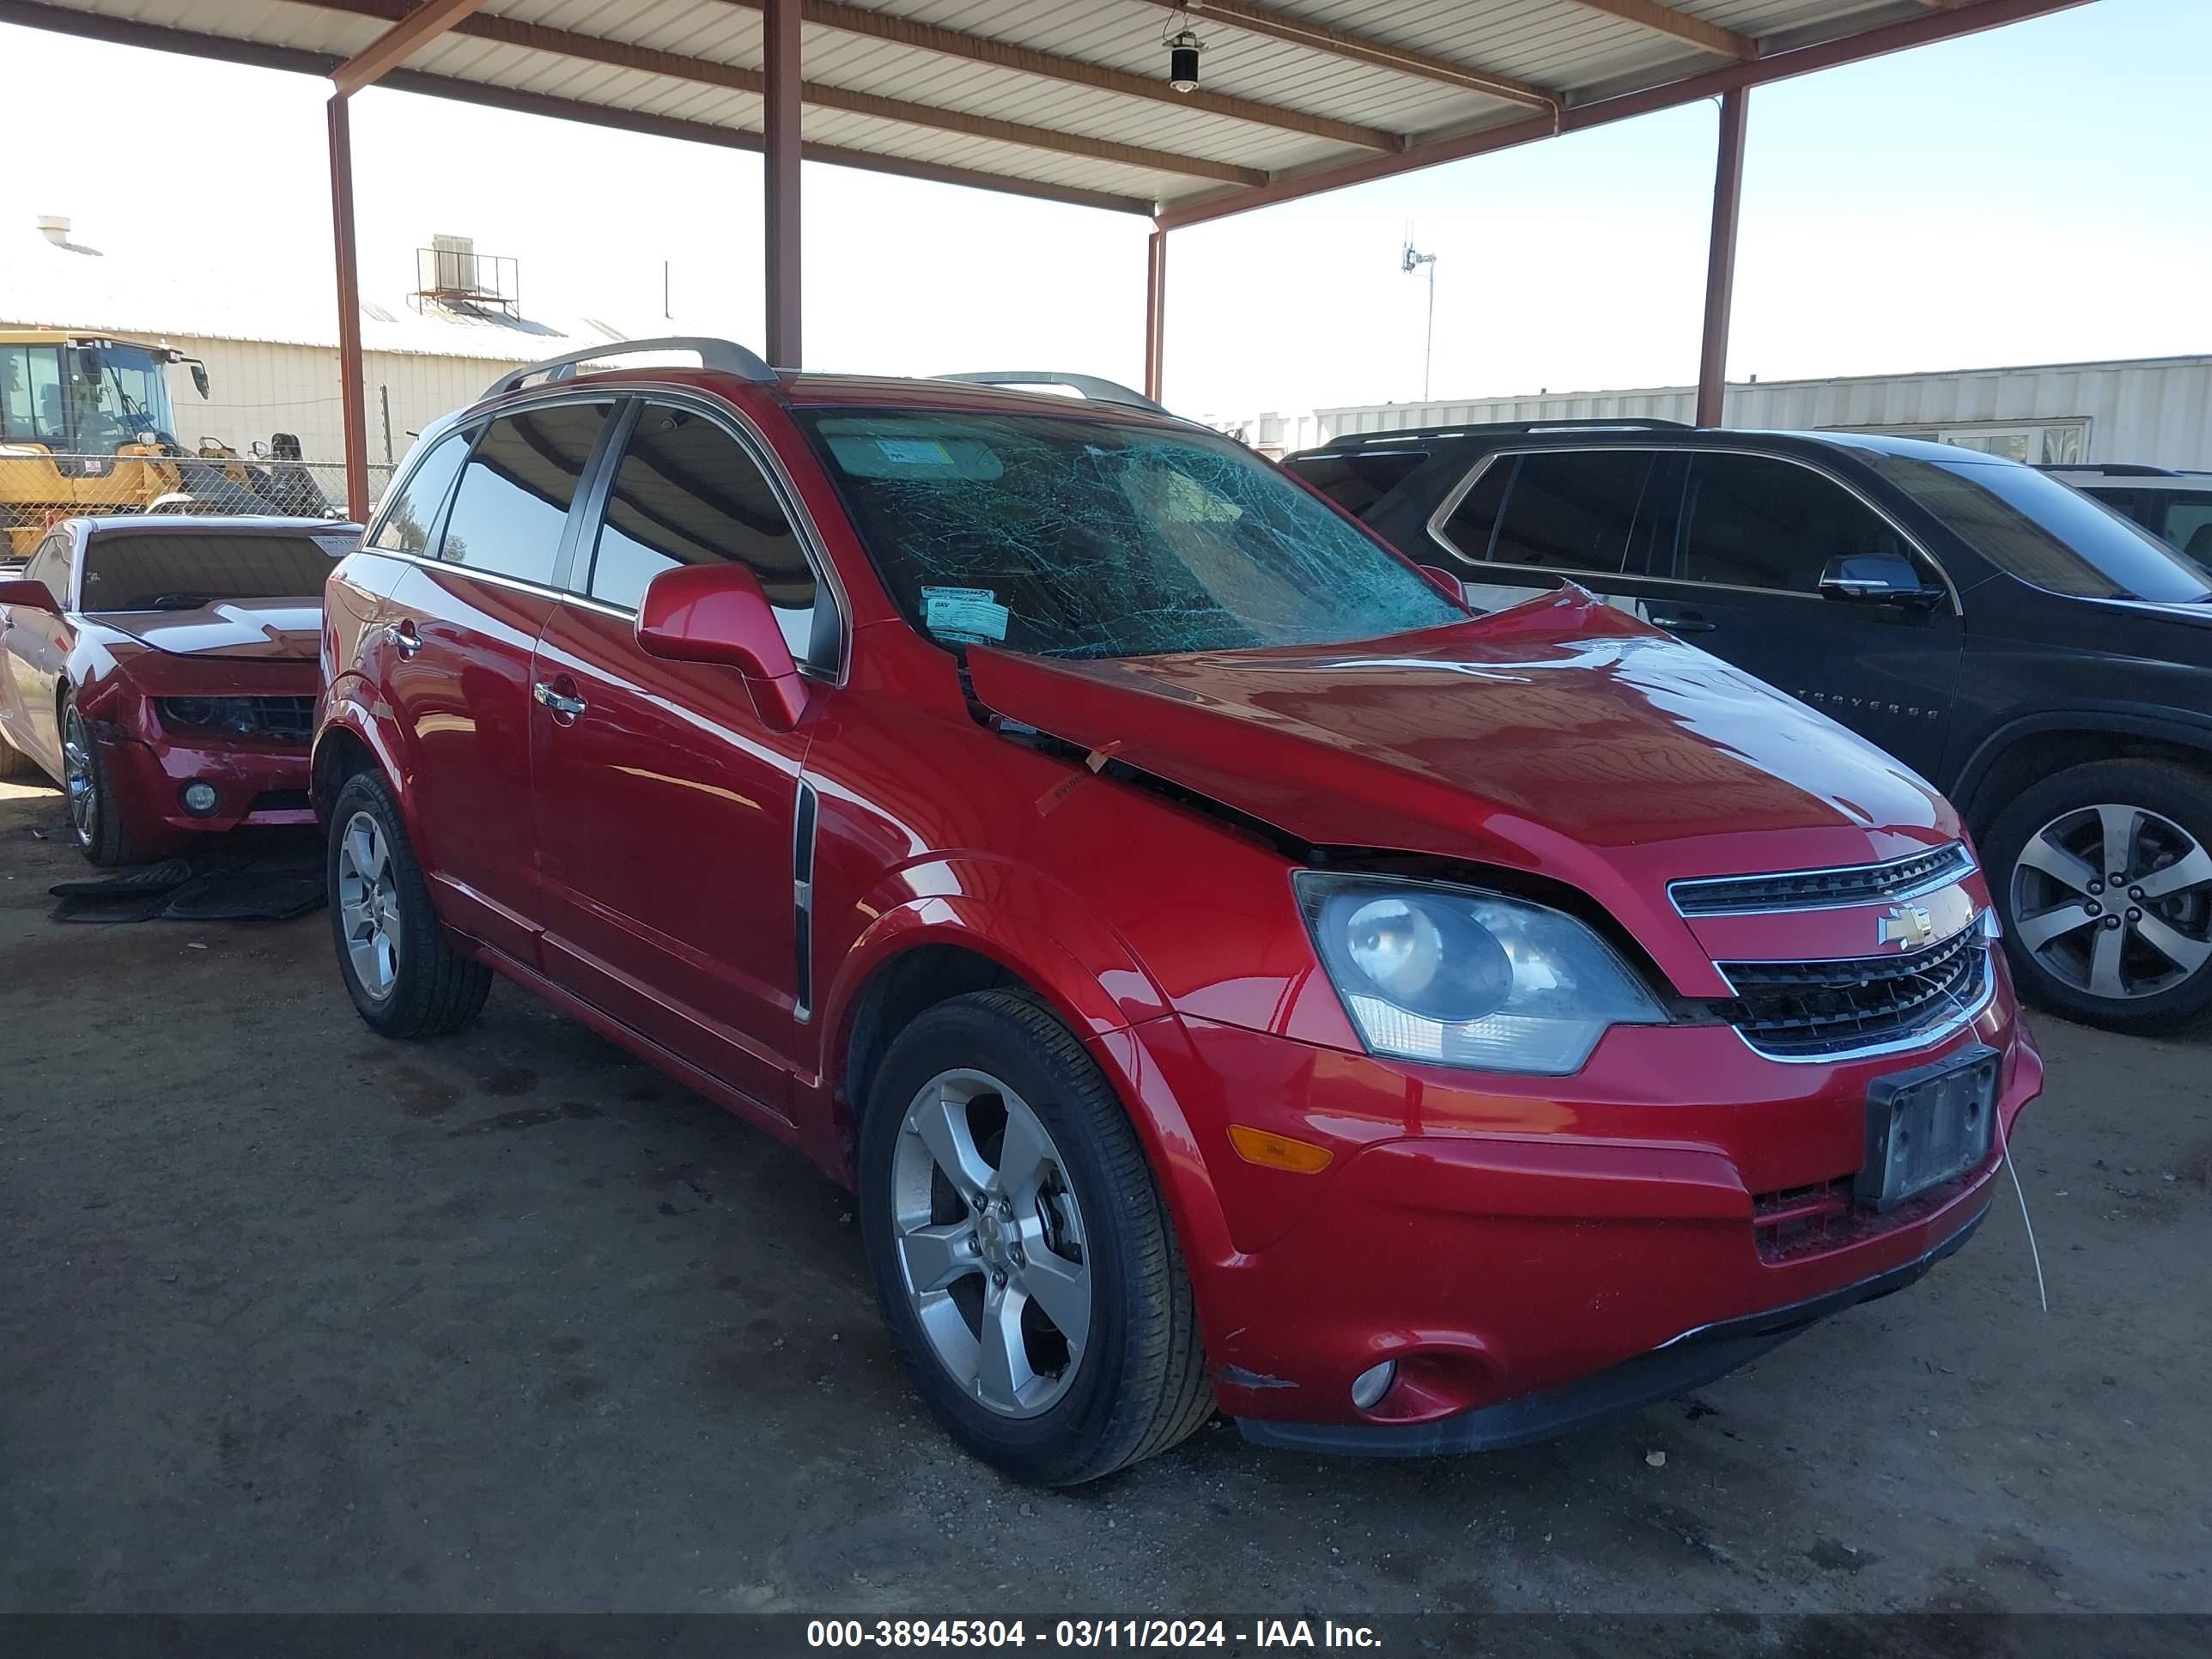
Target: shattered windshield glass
point(1066, 536)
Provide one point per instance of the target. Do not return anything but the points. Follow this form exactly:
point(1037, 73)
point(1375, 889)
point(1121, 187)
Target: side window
point(1572, 510)
point(1356, 480)
point(689, 492)
point(50, 565)
point(405, 526)
point(514, 499)
point(1750, 522)
point(2187, 523)
point(1474, 520)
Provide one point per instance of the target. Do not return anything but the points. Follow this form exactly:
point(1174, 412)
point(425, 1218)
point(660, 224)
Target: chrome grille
point(1814, 1010)
point(1821, 890)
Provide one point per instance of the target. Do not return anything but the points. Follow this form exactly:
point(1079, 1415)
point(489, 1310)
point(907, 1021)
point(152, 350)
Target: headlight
point(239, 716)
point(1467, 978)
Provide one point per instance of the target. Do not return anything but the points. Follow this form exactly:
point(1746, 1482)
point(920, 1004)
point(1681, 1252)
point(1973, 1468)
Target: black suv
point(2040, 658)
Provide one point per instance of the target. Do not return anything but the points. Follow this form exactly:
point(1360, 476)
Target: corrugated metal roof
point(117, 286)
point(1066, 100)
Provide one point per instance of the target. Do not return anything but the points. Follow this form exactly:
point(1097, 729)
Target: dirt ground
point(293, 1318)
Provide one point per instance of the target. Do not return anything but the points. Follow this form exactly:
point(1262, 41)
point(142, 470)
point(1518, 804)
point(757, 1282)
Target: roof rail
point(2110, 469)
point(720, 357)
point(1481, 428)
point(1091, 386)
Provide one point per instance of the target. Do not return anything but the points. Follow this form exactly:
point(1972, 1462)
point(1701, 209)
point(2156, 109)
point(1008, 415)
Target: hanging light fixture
point(1184, 46)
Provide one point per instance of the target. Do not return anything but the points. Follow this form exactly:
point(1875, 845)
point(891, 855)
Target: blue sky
point(2037, 193)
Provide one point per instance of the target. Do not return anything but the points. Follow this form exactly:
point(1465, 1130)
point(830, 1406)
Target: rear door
point(458, 636)
point(1750, 537)
point(668, 815)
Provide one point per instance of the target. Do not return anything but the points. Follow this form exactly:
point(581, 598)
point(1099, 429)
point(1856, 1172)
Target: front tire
point(404, 979)
point(2104, 877)
point(102, 835)
point(1022, 1255)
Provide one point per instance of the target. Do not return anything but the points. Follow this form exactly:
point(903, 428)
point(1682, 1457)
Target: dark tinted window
point(1075, 537)
point(1474, 520)
point(515, 495)
point(405, 525)
point(2044, 532)
point(688, 493)
point(2184, 521)
point(1572, 510)
point(1357, 481)
point(1751, 521)
point(50, 565)
point(184, 571)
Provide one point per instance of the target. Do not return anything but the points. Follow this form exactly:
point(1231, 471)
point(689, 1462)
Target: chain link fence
point(37, 489)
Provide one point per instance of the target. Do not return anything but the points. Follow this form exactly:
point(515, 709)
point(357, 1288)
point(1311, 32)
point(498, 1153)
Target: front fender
point(347, 708)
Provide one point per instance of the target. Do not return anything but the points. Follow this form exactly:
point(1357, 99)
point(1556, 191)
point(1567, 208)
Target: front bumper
point(1531, 1251)
point(255, 783)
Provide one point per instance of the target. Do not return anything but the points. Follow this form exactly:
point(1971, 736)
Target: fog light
point(200, 797)
point(1371, 1384)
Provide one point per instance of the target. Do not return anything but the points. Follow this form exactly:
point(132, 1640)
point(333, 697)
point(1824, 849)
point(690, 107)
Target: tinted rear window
point(514, 495)
point(1356, 480)
point(2045, 532)
point(149, 572)
point(1567, 510)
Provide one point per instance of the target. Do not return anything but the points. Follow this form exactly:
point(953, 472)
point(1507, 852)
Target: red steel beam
point(1918, 31)
point(351, 389)
point(1156, 312)
point(780, 177)
point(1720, 257)
point(399, 43)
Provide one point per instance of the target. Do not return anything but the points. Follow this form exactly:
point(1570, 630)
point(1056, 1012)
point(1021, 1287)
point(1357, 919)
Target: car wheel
point(1021, 1252)
point(13, 763)
point(94, 813)
point(2104, 877)
point(406, 980)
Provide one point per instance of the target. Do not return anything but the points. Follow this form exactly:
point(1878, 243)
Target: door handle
point(564, 707)
point(402, 637)
point(1680, 622)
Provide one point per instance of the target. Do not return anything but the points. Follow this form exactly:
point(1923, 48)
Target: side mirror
point(717, 613)
point(28, 596)
point(200, 379)
point(1876, 579)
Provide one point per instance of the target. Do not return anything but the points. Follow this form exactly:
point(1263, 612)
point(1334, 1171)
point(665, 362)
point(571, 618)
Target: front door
point(666, 809)
point(459, 632)
point(1751, 537)
point(34, 647)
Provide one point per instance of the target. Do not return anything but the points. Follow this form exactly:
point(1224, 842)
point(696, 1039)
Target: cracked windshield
point(1077, 538)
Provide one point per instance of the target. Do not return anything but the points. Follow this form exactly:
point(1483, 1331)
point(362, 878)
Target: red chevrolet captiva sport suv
point(1230, 973)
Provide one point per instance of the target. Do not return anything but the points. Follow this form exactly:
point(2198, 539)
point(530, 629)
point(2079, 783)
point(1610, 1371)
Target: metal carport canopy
point(1064, 99)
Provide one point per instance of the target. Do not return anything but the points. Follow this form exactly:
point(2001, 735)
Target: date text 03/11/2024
point(993, 1634)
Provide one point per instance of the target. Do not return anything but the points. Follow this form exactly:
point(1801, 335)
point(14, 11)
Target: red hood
point(1560, 737)
point(286, 630)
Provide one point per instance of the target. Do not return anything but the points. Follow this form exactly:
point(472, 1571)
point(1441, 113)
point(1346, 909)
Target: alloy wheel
point(2115, 901)
point(369, 905)
point(991, 1243)
point(79, 778)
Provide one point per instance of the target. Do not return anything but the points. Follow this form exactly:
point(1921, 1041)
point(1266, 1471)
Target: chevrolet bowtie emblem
point(1905, 927)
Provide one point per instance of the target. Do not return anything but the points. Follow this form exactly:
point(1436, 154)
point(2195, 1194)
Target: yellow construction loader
point(86, 427)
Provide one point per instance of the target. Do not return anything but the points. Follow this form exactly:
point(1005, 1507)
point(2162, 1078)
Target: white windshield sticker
point(964, 613)
point(337, 546)
point(914, 451)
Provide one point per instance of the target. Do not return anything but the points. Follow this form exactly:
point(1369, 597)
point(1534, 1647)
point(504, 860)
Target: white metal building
point(270, 345)
point(2156, 411)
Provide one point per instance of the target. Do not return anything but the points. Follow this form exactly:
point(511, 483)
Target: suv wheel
point(2103, 875)
point(406, 980)
point(1022, 1255)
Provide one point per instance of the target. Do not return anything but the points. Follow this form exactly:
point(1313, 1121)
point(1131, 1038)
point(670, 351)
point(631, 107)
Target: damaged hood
point(286, 629)
point(1560, 736)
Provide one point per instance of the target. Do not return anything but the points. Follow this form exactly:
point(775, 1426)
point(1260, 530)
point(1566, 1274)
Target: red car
point(163, 670)
point(1229, 973)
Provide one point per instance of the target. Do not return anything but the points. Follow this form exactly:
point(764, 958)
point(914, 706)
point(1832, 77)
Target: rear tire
point(404, 979)
point(15, 763)
point(1083, 1211)
point(2131, 957)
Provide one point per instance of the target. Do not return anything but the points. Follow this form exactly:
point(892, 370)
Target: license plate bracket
point(1927, 1126)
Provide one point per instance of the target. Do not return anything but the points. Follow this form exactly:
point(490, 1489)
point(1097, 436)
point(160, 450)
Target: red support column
point(349, 371)
point(1720, 259)
point(1155, 310)
point(780, 177)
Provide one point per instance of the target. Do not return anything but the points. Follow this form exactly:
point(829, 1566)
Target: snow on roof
point(168, 291)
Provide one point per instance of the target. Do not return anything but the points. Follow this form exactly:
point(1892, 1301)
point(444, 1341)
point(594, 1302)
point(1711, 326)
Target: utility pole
point(1409, 261)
